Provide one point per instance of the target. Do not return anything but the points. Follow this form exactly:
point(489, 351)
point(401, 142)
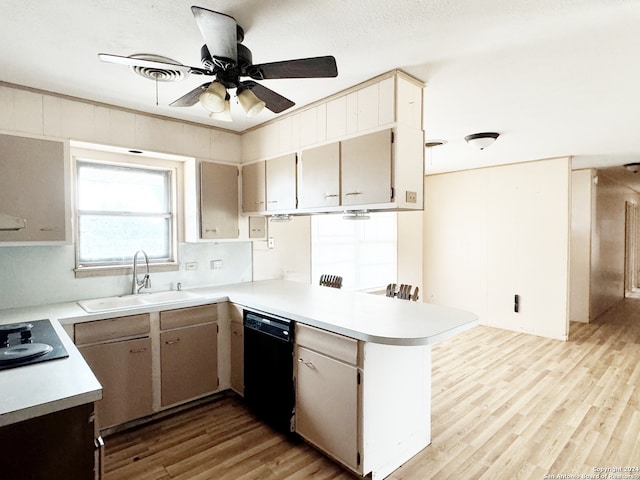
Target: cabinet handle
point(139, 350)
point(272, 201)
point(353, 193)
point(171, 342)
point(214, 230)
point(237, 334)
point(260, 202)
point(308, 364)
point(331, 195)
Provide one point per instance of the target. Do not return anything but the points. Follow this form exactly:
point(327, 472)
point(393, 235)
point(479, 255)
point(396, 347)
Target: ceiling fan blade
point(273, 101)
point(220, 35)
point(190, 98)
point(138, 62)
point(315, 67)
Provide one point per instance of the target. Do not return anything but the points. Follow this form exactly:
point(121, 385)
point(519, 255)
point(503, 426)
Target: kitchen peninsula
point(390, 341)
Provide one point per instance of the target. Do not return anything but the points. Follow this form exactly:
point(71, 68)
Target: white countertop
point(46, 387)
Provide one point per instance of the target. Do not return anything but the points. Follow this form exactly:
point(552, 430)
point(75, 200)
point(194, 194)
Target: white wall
point(290, 257)
point(44, 274)
point(495, 232)
point(582, 202)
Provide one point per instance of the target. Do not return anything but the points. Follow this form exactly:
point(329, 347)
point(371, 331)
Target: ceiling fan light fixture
point(633, 167)
point(224, 115)
point(481, 140)
point(251, 104)
point(213, 98)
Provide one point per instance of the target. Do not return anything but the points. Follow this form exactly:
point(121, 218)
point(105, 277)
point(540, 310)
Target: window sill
point(105, 271)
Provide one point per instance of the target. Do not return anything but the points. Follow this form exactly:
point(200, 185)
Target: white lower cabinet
point(153, 361)
point(367, 405)
point(188, 353)
point(327, 393)
point(118, 351)
point(327, 405)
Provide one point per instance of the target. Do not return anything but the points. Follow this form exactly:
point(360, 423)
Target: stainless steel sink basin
point(123, 302)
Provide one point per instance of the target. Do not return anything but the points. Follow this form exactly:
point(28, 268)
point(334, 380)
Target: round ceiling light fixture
point(633, 167)
point(481, 140)
point(435, 143)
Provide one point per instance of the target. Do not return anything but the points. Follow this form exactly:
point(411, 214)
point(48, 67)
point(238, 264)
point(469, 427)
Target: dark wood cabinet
point(56, 445)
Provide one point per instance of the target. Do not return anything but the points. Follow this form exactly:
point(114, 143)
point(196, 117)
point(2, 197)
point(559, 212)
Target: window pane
point(122, 189)
point(112, 238)
point(362, 252)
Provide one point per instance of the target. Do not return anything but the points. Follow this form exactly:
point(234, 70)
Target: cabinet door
point(124, 371)
point(257, 227)
point(327, 405)
point(253, 187)
point(366, 169)
point(281, 183)
point(188, 362)
point(55, 445)
point(320, 176)
point(33, 186)
point(218, 201)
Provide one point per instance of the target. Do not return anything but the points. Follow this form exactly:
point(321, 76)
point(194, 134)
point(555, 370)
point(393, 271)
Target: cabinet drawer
point(330, 344)
point(111, 329)
point(185, 317)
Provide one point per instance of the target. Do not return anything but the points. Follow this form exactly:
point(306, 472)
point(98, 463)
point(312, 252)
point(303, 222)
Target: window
point(362, 252)
point(122, 209)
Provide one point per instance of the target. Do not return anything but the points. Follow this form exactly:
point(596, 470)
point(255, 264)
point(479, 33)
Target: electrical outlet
point(411, 197)
point(270, 242)
point(191, 266)
point(216, 264)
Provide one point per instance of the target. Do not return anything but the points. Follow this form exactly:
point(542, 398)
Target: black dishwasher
point(268, 369)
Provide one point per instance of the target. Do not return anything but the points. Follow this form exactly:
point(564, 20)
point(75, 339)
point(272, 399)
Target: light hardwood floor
point(504, 406)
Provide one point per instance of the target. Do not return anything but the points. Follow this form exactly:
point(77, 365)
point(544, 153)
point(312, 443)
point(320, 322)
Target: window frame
point(175, 171)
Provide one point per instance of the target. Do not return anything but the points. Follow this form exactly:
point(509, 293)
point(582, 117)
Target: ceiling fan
point(228, 60)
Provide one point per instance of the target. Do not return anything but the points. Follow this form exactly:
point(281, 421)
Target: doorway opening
point(632, 255)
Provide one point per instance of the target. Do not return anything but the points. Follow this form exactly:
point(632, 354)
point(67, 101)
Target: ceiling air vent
point(158, 74)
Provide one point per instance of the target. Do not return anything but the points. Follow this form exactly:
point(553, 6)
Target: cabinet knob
point(171, 342)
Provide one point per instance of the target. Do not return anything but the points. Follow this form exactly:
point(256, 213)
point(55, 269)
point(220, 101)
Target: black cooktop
point(27, 343)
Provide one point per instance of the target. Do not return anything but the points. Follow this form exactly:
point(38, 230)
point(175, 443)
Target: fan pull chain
point(155, 75)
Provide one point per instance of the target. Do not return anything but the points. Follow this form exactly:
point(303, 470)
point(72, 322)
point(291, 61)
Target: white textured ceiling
point(553, 77)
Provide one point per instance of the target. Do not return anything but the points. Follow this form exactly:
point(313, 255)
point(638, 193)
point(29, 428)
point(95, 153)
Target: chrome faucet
point(137, 285)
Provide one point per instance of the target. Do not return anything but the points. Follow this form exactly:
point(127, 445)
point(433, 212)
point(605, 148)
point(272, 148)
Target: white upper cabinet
point(366, 169)
point(254, 187)
point(362, 149)
point(281, 183)
point(218, 201)
point(319, 178)
point(34, 185)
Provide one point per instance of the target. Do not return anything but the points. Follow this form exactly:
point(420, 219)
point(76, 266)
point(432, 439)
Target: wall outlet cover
point(216, 264)
point(191, 266)
point(411, 197)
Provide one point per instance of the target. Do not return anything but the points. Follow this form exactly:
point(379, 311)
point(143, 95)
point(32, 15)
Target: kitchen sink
point(123, 302)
